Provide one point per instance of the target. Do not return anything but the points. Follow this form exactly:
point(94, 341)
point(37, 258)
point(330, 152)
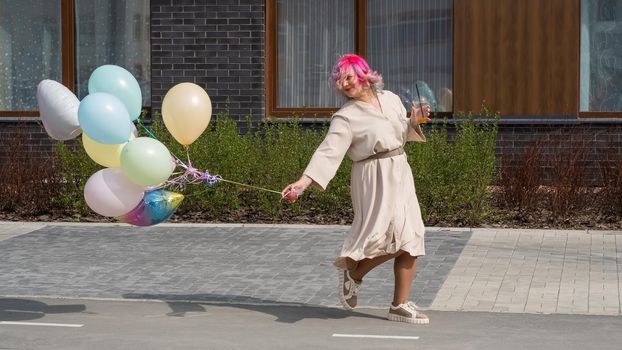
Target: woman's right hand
point(292, 191)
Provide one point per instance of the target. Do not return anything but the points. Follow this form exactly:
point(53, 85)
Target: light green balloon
point(146, 161)
point(119, 82)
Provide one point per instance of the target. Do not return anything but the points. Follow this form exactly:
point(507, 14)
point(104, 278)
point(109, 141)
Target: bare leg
point(366, 265)
point(404, 268)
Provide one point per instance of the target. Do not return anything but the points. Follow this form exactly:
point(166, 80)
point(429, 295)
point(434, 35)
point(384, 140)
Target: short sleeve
point(328, 156)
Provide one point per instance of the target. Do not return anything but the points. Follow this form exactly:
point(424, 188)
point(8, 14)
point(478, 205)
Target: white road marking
point(374, 336)
point(42, 324)
point(25, 312)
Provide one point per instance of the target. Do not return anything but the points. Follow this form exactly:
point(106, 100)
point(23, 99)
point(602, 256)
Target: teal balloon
point(104, 118)
point(146, 161)
point(119, 82)
point(425, 91)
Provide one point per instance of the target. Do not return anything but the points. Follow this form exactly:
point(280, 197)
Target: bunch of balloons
point(136, 168)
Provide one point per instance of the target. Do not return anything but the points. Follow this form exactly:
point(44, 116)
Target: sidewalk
point(493, 270)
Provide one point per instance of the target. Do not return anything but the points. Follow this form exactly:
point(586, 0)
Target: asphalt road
point(37, 323)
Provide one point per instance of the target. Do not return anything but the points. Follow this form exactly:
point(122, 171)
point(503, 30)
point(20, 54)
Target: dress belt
point(387, 154)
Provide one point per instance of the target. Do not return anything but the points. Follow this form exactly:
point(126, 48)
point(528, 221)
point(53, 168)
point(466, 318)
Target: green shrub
point(75, 168)
point(270, 157)
point(30, 184)
point(451, 176)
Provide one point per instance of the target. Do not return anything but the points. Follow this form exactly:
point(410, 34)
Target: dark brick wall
point(591, 142)
point(594, 141)
point(24, 139)
point(217, 44)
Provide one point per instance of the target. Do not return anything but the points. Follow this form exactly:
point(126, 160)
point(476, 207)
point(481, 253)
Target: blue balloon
point(104, 118)
point(119, 82)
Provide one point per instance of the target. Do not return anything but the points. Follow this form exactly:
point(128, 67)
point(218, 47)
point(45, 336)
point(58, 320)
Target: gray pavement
point(29, 324)
point(492, 270)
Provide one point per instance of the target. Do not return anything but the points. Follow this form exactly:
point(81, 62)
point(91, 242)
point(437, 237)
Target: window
point(30, 50)
point(408, 42)
point(601, 56)
point(65, 40)
point(113, 32)
point(310, 38)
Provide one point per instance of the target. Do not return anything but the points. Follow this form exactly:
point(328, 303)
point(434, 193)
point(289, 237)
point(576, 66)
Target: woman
point(372, 128)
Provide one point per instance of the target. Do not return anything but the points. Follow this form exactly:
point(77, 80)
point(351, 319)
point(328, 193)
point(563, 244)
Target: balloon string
point(147, 130)
point(250, 186)
point(192, 170)
point(245, 185)
point(236, 183)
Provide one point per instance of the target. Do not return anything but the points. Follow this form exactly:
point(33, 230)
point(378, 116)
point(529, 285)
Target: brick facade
point(20, 136)
point(590, 142)
point(217, 44)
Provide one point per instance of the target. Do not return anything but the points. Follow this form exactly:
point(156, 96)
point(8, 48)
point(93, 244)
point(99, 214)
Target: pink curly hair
point(363, 72)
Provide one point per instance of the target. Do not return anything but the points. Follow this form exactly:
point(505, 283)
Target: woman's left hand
point(420, 115)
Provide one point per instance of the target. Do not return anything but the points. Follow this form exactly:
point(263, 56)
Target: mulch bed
point(590, 218)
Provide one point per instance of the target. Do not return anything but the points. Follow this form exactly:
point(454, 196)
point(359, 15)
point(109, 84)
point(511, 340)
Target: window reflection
point(311, 37)
point(601, 56)
point(113, 32)
point(30, 50)
point(410, 44)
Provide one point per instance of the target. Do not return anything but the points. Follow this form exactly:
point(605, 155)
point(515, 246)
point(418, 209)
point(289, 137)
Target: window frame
point(67, 52)
point(271, 107)
point(68, 57)
point(271, 68)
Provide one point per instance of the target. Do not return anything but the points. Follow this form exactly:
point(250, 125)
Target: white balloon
point(109, 192)
point(58, 107)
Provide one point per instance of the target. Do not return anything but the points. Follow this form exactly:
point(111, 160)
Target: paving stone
point(220, 264)
point(539, 271)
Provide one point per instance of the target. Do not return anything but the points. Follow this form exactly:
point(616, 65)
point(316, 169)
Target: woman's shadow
point(181, 304)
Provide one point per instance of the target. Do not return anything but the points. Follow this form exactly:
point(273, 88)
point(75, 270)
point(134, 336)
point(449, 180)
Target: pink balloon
point(109, 192)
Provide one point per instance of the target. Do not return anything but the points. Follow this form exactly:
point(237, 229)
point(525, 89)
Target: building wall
point(521, 57)
point(590, 142)
point(24, 138)
point(217, 44)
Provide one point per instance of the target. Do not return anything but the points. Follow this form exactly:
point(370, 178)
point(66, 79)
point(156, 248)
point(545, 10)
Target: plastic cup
point(420, 104)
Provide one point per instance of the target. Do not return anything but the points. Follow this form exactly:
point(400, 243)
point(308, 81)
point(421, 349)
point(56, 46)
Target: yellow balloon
point(104, 154)
point(186, 111)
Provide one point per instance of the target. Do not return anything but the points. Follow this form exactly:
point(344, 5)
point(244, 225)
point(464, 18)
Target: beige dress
point(387, 217)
